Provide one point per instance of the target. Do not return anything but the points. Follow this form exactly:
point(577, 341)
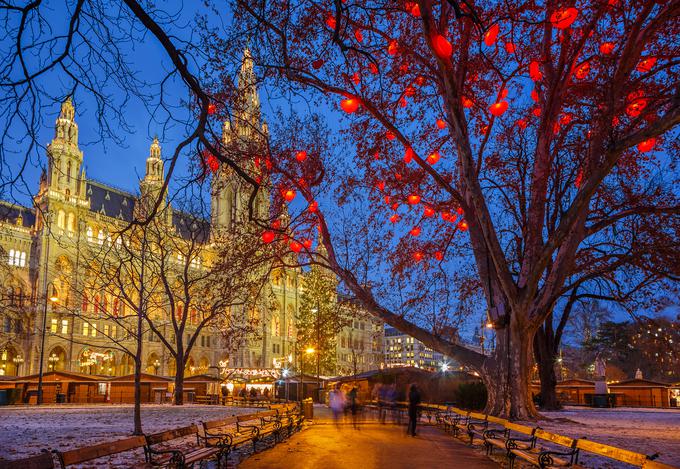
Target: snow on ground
point(25, 431)
point(647, 431)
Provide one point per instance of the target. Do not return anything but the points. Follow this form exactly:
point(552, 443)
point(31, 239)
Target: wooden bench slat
point(519, 428)
point(554, 438)
point(171, 434)
point(88, 453)
point(220, 423)
point(39, 461)
point(612, 452)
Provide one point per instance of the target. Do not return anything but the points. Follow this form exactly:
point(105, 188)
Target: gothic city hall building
point(50, 267)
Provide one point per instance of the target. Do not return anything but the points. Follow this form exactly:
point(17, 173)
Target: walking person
point(336, 401)
point(354, 406)
point(413, 402)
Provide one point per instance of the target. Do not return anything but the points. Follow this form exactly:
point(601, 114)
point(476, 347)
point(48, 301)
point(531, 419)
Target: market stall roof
point(60, 376)
point(145, 378)
point(639, 383)
point(203, 377)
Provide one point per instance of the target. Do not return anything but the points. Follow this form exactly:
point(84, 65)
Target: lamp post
point(53, 298)
point(316, 311)
point(310, 351)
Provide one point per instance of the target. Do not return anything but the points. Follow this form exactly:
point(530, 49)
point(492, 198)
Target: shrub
point(471, 395)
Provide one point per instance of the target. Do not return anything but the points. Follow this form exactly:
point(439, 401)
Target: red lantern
point(276, 224)
point(301, 156)
point(564, 17)
point(428, 212)
point(381, 186)
point(491, 35)
point(289, 195)
point(446, 216)
point(395, 206)
point(439, 255)
point(497, 109)
point(535, 71)
point(565, 119)
point(463, 226)
point(349, 105)
point(646, 145)
point(509, 48)
point(636, 107)
point(356, 78)
point(582, 71)
point(417, 256)
point(373, 68)
point(442, 47)
point(413, 8)
point(389, 135)
point(467, 102)
point(415, 231)
point(295, 246)
point(433, 157)
point(408, 155)
point(459, 210)
point(646, 65)
point(534, 95)
point(317, 64)
point(536, 112)
point(521, 123)
point(441, 123)
point(607, 48)
point(268, 236)
point(313, 207)
point(212, 109)
point(307, 243)
point(330, 21)
point(358, 35)
point(413, 199)
point(395, 218)
point(393, 47)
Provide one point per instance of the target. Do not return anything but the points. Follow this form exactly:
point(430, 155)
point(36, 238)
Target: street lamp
point(18, 360)
point(53, 297)
point(53, 359)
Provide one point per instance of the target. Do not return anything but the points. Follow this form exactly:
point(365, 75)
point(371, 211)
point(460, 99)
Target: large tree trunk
point(506, 374)
point(179, 380)
point(545, 354)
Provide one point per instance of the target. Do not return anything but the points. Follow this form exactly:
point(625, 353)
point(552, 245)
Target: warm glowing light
point(441, 123)
point(646, 145)
point(442, 47)
point(646, 64)
point(301, 156)
point(268, 236)
point(310, 350)
point(564, 17)
point(413, 199)
point(607, 48)
point(417, 256)
point(433, 157)
point(212, 109)
point(349, 105)
point(491, 35)
point(295, 246)
point(289, 195)
point(535, 71)
point(54, 297)
point(497, 109)
point(489, 325)
point(415, 231)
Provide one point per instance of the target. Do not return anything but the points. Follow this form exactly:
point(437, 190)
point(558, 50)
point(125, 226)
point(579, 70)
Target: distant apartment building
point(401, 349)
point(360, 343)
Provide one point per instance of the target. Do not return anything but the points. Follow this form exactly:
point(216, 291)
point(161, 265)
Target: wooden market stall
point(205, 388)
point(154, 389)
point(641, 393)
point(64, 386)
point(570, 391)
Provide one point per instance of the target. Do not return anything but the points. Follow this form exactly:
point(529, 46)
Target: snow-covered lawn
point(647, 431)
point(25, 431)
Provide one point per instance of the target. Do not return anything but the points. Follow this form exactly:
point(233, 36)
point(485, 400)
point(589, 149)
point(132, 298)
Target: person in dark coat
point(413, 402)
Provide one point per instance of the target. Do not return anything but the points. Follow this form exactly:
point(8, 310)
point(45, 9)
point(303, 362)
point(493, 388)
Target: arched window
point(276, 326)
point(194, 316)
point(10, 261)
point(68, 172)
point(61, 219)
point(71, 223)
point(22, 262)
point(100, 237)
point(86, 303)
point(116, 303)
point(96, 304)
point(90, 234)
point(179, 312)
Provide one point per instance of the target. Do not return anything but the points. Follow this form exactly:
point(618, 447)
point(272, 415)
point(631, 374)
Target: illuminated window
point(53, 326)
point(64, 326)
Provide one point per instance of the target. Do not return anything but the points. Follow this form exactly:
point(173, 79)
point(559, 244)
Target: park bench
point(90, 453)
point(522, 437)
point(157, 454)
point(478, 425)
point(39, 461)
point(454, 422)
point(564, 453)
point(232, 432)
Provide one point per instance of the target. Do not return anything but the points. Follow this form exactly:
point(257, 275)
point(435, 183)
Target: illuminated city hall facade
point(43, 248)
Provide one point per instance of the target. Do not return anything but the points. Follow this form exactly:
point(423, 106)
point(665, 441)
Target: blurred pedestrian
point(354, 406)
point(336, 401)
point(413, 402)
point(382, 402)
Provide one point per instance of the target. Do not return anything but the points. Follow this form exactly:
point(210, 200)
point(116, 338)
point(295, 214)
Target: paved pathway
point(371, 446)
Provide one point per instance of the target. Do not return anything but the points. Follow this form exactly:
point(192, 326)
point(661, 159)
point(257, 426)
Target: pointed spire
point(248, 108)
point(155, 149)
point(67, 110)
point(66, 129)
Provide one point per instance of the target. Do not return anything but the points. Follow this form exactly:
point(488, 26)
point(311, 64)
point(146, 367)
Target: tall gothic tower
point(150, 187)
point(230, 195)
point(65, 158)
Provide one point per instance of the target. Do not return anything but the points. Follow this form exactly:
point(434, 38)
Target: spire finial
point(155, 149)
